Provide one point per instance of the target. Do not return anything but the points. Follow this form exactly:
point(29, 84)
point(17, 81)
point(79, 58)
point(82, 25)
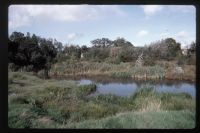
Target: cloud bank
point(24, 15)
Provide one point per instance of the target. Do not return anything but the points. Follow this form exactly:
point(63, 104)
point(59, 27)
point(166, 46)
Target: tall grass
point(86, 68)
point(122, 70)
point(61, 103)
point(148, 72)
point(129, 120)
point(86, 89)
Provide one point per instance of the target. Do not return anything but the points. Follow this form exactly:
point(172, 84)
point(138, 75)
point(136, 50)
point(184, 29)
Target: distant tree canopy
point(73, 51)
point(84, 49)
point(58, 46)
point(36, 53)
point(165, 49)
point(121, 42)
point(192, 48)
point(32, 52)
point(103, 42)
point(105, 48)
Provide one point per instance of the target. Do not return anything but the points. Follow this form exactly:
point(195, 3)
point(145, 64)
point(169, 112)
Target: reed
point(62, 103)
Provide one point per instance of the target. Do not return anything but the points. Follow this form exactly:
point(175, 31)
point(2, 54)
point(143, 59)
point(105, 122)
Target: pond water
point(126, 87)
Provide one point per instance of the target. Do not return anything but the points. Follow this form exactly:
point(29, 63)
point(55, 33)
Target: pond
point(126, 87)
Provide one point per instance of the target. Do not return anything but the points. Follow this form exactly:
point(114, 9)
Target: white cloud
point(142, 33)
point(23, 15)
point(151, 9)
point(73, 36)
point(182, 34)
point(18, 18)
point(184, 37)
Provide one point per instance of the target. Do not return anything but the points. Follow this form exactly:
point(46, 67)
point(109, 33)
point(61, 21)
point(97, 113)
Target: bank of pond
point(74, 102)
point(162, 70)
point(128, 86)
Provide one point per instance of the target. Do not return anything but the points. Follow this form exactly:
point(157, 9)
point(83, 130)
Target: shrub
point(86, 89)
point(29, 68)
point(149, 62)
point(13, 67)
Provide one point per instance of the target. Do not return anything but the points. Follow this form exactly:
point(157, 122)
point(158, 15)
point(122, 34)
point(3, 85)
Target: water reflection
point(126, 87)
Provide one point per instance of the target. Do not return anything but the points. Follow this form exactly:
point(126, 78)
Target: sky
point(79, 24)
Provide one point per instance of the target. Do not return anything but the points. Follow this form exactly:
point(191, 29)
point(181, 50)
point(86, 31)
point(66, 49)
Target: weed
point(63, 103)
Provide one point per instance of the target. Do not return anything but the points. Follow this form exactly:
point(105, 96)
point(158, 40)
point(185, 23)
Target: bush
point(149, 62)
point(29, 68)
point(192, 60)
point(63, 102)
point(115, 60)
point(13, 67)
point(86, 89)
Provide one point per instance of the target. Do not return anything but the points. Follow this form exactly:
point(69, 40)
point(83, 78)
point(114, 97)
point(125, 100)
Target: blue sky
point(79, 24)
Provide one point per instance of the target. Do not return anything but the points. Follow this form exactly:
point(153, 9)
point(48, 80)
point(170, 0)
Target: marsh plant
point(65, 104)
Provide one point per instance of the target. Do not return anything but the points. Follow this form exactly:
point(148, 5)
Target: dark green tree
point(72, 51)
point(103, 42)
point(17, 37)
point(34, 53)
point(121, 42)
point(49, 52)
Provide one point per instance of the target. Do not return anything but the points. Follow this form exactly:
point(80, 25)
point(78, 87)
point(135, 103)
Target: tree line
point(34, 53)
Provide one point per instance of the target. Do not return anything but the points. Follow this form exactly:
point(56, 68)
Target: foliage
point(121, 74)
point(50, 103)
point(57, 104)
point(192, 49)
point(86, 89)
point(34, 53)
point(121, 42)
point(72, 51)
point(97, 54)
point(165, 49)
point(126, 54)
point(146, 120)
point(103, 42)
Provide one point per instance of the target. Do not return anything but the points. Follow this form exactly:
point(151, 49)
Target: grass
point(160, 70)
point(121, 74)
point(89, 68)
point(38, 103)
point(138, 120)
point(86, 89)
point(122, 70)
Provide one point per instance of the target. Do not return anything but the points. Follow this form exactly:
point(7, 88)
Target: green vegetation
point(51, 103)
point(95, 68)
point(86, 89)
point(116, 58)
point(140, 120)
point(38, 103)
